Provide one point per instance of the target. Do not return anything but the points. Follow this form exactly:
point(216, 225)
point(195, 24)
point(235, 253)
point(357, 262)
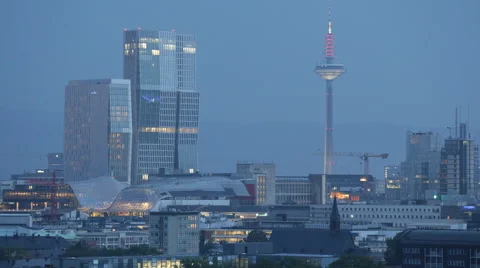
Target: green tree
point(81, 249)
point(350, 261)
point(256, 236)
point(205, 246)
point(392, 256)
point(297, 263)
point(265, 263)
point(11, 254)
point(288, 262)
point(195, 262)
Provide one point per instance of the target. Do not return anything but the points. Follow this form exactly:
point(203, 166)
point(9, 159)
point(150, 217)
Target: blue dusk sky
point(409, 63)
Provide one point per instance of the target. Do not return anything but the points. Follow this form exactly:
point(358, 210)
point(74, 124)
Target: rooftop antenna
point(468, 122)
point(460, 114)
point(456, 122)
point(450, 132)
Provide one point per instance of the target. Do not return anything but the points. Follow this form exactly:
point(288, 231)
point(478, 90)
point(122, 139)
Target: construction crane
point(365, 157)
point(53, 198)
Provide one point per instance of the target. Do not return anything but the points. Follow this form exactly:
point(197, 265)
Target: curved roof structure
point(209, 184)
point(135, 199)
point(144, 197)
point(98, 193)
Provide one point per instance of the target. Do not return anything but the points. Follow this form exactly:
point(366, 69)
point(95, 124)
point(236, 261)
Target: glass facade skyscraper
point(161, 68)
point(98, 129)
point(422, 165)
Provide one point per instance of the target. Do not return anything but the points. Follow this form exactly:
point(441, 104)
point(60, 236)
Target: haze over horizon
point(408, 66)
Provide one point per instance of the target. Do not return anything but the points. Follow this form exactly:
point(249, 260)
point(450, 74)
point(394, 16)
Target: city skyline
point(215, 133)
point(354, 54)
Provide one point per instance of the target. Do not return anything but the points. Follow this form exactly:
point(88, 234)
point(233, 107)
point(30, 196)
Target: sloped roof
point(135, 199)
point(144, 197)
point(198, 183)
point(440, 236)
point(97, 193)
point(312, 241)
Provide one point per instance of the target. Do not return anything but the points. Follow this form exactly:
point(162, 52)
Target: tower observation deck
point(329, 71)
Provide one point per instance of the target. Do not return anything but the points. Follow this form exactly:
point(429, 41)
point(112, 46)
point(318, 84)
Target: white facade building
point(16, 219)
point(296, 189)
point(176, 233)
point(117, 239)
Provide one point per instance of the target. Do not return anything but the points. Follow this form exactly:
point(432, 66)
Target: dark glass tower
point(161, 67)
point(98, 129)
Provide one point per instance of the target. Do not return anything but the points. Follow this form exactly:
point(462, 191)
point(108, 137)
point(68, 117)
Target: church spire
point(335, 217)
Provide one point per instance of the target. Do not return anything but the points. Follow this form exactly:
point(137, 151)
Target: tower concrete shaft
point(328, 147)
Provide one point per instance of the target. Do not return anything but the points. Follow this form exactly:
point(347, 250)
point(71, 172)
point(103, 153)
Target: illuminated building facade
point(229, 235)
point(33, 191)
point(119, 262)
point(98, 129)
point(347, 188)
point(162, 68)
point(395, 183)
point(175, 233)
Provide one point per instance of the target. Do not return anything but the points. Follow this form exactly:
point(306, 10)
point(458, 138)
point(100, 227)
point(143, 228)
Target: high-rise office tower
point(161, 67)
point(98, 129)
point(422, 165)
point(329, 71)
point(459, 166)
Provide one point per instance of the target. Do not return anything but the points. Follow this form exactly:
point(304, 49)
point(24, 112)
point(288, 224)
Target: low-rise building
point(383, 215)
point(116, 239)
point(438, 248)
point(175, 233)
point(18, 219)
point(263, 175)
point(118, 262)
point(232, 235)
point(281, 216)
point(333, 241)
point(33, 191)
point(33, 250)
point(346, 187)
point(293, 189)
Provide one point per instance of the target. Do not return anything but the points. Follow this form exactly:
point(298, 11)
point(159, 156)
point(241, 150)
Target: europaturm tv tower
point(329, 71)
